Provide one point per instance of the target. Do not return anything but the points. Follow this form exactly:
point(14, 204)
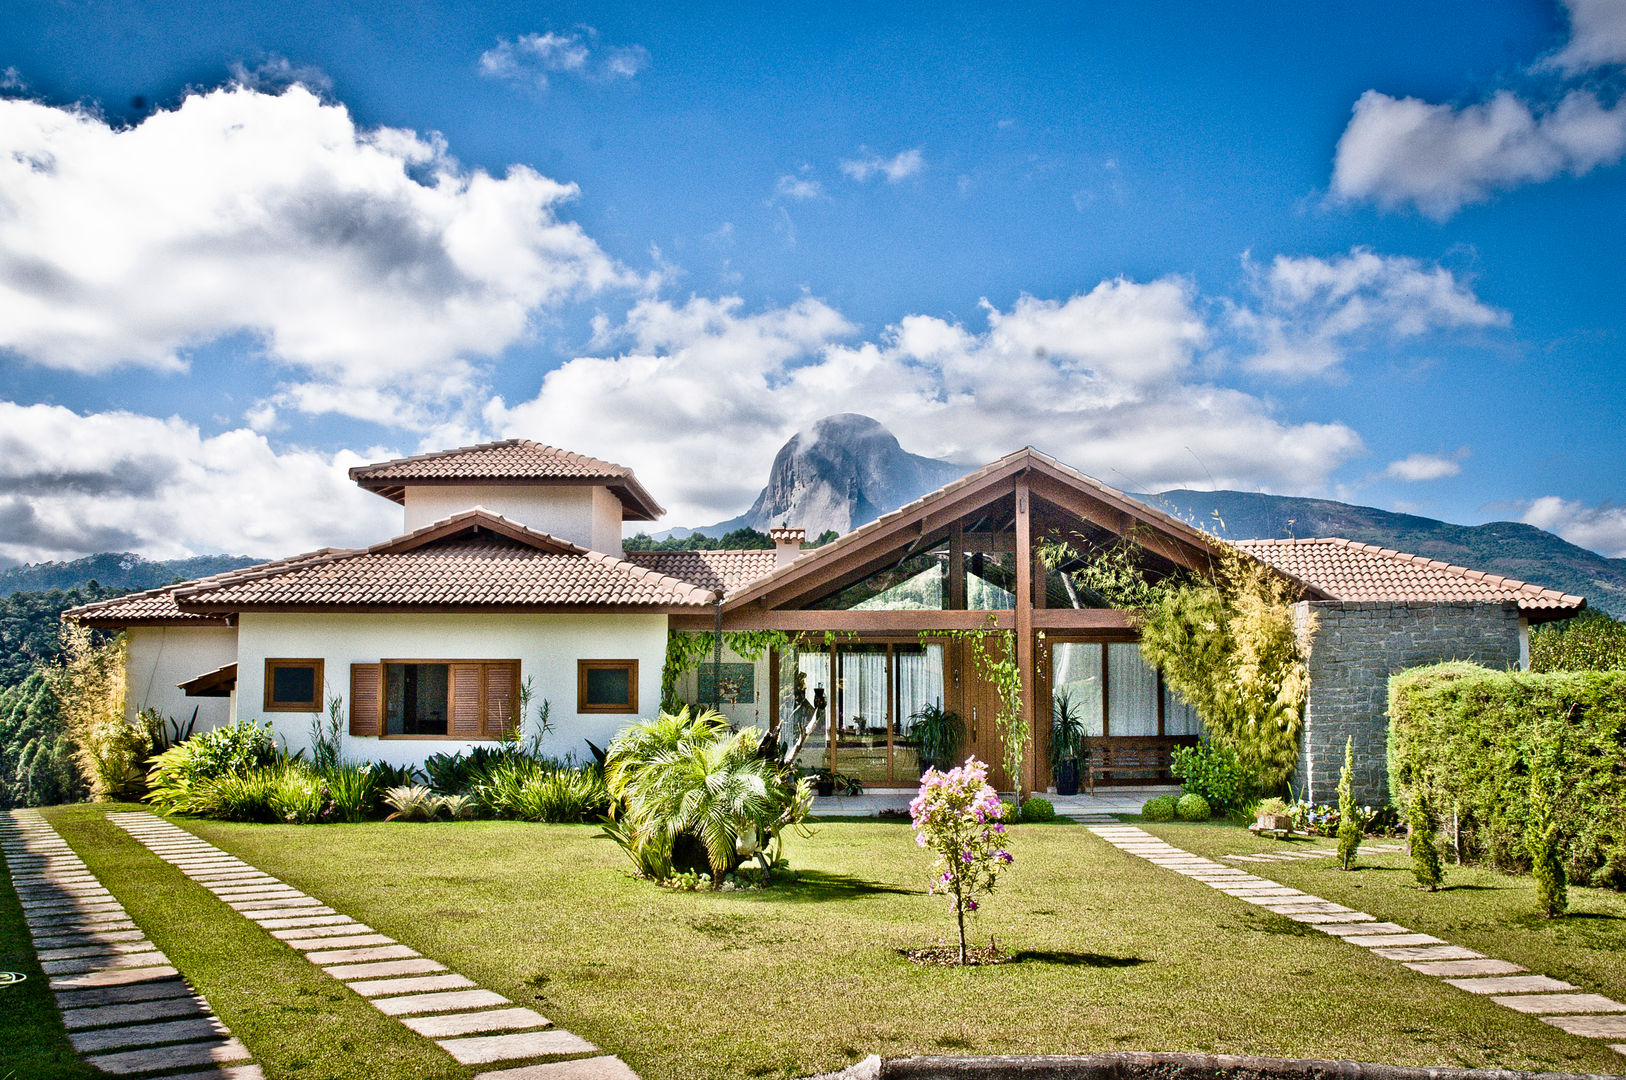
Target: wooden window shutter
point(502, 686)
point(366, 699)
point(468, 699)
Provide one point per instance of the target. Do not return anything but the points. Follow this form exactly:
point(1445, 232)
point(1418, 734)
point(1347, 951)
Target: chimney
point(787, 545)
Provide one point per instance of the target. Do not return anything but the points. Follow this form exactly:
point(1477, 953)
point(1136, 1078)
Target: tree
point(1349, 815)
point(89, 684)
point(957, 816)
point(1544, 840)
point(36, 756)
point(1425, 852)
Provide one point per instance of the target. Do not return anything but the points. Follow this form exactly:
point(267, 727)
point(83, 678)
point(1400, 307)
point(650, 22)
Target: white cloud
point(531, 59)
point(276, 73)
point(704, 393)
point(11, 80)
point(900, 166)
point(73, 484)
point(368, 264)
point(1310, 311)
point(1601, 528)
point(1415, 468)
point(1400, 152)
point(1597, 36)
point(799, 188)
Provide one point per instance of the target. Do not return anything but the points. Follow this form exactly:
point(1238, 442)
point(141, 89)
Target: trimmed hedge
point(1471, 738)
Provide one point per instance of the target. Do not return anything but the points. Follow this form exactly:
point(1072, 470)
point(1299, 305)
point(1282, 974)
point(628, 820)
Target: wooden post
point(1024, 628)
point(956, 568)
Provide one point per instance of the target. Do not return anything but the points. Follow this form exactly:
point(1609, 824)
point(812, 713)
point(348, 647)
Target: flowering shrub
point(1322, 819)
point(959, 818)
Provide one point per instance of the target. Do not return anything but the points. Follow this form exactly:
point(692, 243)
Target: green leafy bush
point(1215, 772)
point(1544, 840)
point(1192, 807)
point(178, 775)
point(300, 797)
point(1037, 809)
point(1591, 641)
point(1423, 842)
point(244, 796)
point(1350, 829)
point(1472, 738)
point(457, 774)
point(37, 765)
point(1162, 808)
point(412, 802)
point(353, 791)
point(528, 790)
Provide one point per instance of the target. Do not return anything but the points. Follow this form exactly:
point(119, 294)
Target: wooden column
point(1024, 625)
point(956, 568)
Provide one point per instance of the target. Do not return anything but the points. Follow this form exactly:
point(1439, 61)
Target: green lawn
point(1115, 954)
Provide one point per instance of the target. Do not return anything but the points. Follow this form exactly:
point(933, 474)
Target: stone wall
point(1354, 648)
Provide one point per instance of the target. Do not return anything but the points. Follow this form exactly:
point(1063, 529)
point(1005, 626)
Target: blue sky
point(1365, 251)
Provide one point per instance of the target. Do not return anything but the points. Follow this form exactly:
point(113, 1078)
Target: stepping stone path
point(475, 1026)
point(1509, 985)
point(127, 1010)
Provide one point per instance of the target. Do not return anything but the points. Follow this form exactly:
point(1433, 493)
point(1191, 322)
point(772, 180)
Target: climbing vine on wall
point(994, 652)
point(686, 650)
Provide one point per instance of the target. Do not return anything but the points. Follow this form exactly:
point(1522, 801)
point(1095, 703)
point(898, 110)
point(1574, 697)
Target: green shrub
point(1162, 808)
point(1472, 738)
point(1037, 809)
point(1214, 772)
point(243, 796)
point(1425, 852)
point(299, 797)
point(1591, 641)
point(1192, 807)
point(178, 775)
point(1350, 829)
point(353, 790)
point(1544, 840)
point(413, 802)
point(457, 774)
point(528, 790)
point(37, 765)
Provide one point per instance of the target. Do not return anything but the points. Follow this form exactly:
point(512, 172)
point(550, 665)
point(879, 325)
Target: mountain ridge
point(115, 570)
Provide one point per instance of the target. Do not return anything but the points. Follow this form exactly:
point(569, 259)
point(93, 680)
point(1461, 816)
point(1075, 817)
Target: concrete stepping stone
point(351, 956)
point(593, 1068)
point(63, 941)
point(1311, 906)
point(151, 1059)
point(377, 988)
point(482, 1049)
point(225, 1072)
point(1372, 941)
point(1482, 966)
point(1429, 952)
point(353, 941)
point(90, 949)
point(1510, 984)
point(265, 916)
point(298, 900)
point(118, 995)
point(166, 1031)
point(150, 958)
point(1346, 929)
point(1560, 1003)
point(116, 977)
point(420, 966)
point(134, 1013)
point(1593, 1027)
point(334, 919)
point(444, 1025)
point(449, 1001)
point(299, 933)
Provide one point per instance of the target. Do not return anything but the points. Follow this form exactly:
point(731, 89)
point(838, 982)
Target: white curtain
point(1179, 718)
point(863, 691)
point(1131, 691)
point(1075, 667)
point(920, 681)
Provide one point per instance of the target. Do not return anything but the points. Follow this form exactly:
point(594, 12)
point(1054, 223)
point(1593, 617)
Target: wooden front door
point(980, 711)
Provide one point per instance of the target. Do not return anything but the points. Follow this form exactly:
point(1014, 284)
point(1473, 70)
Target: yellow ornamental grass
point(89, 685)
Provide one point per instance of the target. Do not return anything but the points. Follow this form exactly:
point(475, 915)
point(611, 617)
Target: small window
point(293, 685)
point(607, 686)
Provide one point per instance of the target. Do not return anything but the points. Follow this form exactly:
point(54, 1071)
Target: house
point(510, 573)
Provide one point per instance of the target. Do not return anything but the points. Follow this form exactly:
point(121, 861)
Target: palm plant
point(687, 779)
point(939, 734)
point(1066, 741)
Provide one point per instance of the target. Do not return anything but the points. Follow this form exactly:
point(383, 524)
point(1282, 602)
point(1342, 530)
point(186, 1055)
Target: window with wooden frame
point(293, 685)
point(434, 699)
point(607, 686)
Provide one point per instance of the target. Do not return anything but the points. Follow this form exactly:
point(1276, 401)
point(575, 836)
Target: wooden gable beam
point(1150, 534)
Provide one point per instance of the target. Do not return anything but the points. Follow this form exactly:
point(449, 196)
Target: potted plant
point(939, 734)
point(1273, 817)
point(1066, 742)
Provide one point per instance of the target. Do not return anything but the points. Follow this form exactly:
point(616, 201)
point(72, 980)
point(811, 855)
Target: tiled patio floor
point(1105, 802)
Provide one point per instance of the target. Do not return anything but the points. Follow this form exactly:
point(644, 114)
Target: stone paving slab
point(332, 930)
point(1344, 930)
point(228, 1072)
point(150, 958)
point(374, 988)
point(1310, 907)
point(92, 948)
point(1429, 952)
point(120, 977)
point(385, 968)
point(134, 1013)
point(443, 1025)
point(593, 1068)
point(218, 1052)
point(1510, 984)
point(1484, 966)
point(63, 941)
point(447, 1001)
point(334, 919)
point(298, 900)
point(375, 952)
point(116, 995)
point(130, 1035)
point(1560, 1003)
point(1372, 941)
point(484, 1049)
point(1593, 1027)
point(351, 941)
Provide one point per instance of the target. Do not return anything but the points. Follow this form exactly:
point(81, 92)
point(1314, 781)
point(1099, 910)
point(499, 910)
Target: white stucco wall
point(754, 711)
point(589, 516)
point(162, 656)
point(546, 646)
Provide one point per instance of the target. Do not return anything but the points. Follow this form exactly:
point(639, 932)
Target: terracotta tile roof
point(157, 607)
point(507, 462)
point(473, 561)
point(720, 571)
point(1346, 570)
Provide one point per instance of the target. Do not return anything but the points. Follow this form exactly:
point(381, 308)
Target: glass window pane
point(1075, 669)
point(293, 684)
point(1131, 691)
point(917, 672)
point(810, 698)
point(860, 717)
point(608, 686)
point(1179, 718)
point(415, 699)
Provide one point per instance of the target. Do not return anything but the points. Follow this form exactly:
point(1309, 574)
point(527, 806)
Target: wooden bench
point(1142, 758)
